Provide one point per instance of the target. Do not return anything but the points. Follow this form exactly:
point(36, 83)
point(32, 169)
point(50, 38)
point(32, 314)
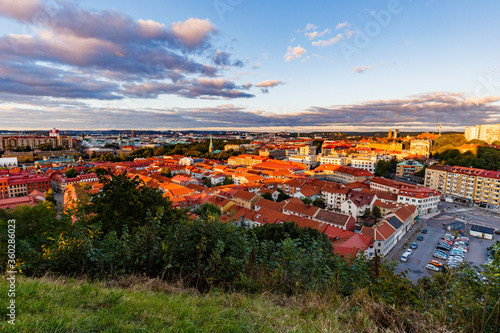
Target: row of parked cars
point(451, 249)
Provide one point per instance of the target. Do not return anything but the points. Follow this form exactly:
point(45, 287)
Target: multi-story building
point(389, 146)
point(342, 174)
point(247, 160)
point(8, 162)
point(12, 142)
point(22, 183)
point(488, 133)
point(277, 154)
point(332, 159)
point(309, 160)
point(466, 184)
point(436, 177)
point(307, 150)
point(425, 199)
point(408, 168)
point(365, 162)
point(422, 147)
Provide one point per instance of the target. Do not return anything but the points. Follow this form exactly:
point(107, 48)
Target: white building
point(8, 162)
point(365, 162)
point(488, 133)
point(332, 159)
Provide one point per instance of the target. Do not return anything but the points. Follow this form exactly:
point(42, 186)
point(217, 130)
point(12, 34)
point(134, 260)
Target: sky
point(249, 65)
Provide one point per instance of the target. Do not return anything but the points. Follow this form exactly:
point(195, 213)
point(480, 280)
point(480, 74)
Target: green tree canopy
point(71, 173)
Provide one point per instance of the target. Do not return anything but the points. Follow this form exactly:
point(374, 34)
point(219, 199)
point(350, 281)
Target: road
point(417, 261)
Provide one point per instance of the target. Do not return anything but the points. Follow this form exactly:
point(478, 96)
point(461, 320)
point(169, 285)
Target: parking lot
point(421, 256)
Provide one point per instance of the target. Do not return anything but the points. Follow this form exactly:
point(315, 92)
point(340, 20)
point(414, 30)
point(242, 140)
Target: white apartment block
point(488, 133)
point(368, 163)
point(332, 159)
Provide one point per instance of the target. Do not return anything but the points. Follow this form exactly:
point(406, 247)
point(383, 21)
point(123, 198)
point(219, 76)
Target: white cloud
point(329, 42)
point(294, 53)
point(311, 27)
point(315, 34)
point(193, 32)
point(342, 25)
point(362, 69)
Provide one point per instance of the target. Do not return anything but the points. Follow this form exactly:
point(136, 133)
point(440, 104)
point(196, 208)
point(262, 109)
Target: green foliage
point(71, 173)
point(385, 169)
point(267, 196)
point(376, 212)
point(447, 142)
point(49, 196)
point(477, 142)
point(318, 202)
point(487, 158)
point(228, 181)
point(166, 172)
point(98, 171)
point(307, 201)
point(208, 211)
point(126, 203)
point(282, 196)
point(45, 146)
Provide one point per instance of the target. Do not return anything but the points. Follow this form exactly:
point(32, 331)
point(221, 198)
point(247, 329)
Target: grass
point(149, 305)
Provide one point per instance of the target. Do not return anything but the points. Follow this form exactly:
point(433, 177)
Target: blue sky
point(241, 64)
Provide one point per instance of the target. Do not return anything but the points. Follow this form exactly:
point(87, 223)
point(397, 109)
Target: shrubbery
point(131, 229)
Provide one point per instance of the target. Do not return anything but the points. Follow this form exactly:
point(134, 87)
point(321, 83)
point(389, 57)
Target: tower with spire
point(211, 147)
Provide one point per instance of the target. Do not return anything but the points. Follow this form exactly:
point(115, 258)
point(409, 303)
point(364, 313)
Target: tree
point(376, 212)
point(319, 203)
point(268, 196)
point(71, 173)
point(208, 211)
point(307, 201)
point(126, 203)
point(228, 181)
point(165, 172)
point(207, 181)
point(45, 146)
point(368, 213)
point(49, 196)
point(282, 196)
point(477, 142)
point(496, 143)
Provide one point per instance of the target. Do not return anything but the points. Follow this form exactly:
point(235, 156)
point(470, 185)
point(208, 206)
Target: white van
point(404, 257)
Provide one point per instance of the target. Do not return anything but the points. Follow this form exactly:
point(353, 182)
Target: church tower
point(211, 147)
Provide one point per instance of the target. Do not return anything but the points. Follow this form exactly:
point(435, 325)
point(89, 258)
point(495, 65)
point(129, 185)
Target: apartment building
point(332, 159)
point(247, 160)
point(12, 142)
point(488, 133)
point(408, 168)
point(342, 174)
point(22, 183)
point(365, 162)
point(421, 147)
point(467, 184)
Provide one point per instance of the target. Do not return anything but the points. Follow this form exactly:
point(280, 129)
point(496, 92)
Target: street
point(417, 261)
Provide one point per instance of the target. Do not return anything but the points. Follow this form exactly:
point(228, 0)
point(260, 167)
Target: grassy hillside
point(149, 305)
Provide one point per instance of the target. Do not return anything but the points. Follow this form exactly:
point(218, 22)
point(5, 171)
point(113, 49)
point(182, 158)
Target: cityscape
point(178, 168)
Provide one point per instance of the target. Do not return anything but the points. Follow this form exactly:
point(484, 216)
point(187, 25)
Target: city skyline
point(248, 65)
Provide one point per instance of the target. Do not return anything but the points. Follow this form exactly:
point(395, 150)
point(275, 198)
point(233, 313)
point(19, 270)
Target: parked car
point(435, 263)
point(443, 247)
point(404, 257)
point(413, 245)
point(440, 251)
point(439, 255)
point(424, 231)
point(432, 267)
point(420, 238)
point(409, 251)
